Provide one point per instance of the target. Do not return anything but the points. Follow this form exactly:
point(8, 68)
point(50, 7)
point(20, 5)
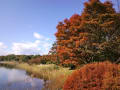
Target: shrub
point(37, 61)
point(45, 59)
point(95, 76)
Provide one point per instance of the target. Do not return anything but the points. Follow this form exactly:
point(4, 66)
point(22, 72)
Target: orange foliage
point(81, 36)
point(95, 76)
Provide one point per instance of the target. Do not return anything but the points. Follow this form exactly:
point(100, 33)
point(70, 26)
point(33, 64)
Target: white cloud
point(37, 35)
point(3, 48)
point(25, 48)
point(40, 46)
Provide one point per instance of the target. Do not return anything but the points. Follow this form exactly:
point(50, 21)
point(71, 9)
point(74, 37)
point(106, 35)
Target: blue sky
point(28, 26)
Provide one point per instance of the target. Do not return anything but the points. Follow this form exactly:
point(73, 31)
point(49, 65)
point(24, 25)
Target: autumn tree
point(92, 36)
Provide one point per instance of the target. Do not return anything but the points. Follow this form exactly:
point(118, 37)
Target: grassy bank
point(53, 73)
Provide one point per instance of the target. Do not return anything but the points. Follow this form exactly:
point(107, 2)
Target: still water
point(14, 79)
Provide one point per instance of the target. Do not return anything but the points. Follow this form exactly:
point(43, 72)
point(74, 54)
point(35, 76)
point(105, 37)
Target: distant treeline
point(32, 59)
point(13, 57)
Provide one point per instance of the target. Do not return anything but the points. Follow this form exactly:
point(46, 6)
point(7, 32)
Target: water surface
point(15, 79)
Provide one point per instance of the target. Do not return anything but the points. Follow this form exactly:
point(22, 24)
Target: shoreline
point(48, 72)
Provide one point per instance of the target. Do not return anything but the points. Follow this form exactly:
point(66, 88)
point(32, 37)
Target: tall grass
point(53, 75)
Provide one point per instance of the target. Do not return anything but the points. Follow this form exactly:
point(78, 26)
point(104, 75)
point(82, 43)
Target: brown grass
point(54, 74)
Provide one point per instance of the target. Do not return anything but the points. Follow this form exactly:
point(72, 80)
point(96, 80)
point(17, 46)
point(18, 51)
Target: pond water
point(14, 79)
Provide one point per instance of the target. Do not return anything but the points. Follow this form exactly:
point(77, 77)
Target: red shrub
point(95, 76)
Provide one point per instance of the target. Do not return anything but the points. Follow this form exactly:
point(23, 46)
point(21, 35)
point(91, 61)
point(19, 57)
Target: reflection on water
point(14, 79)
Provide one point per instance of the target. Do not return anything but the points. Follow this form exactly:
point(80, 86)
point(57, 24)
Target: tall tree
point(93, 35)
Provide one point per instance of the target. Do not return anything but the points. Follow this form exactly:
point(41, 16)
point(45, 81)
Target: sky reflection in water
point(14, 79)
